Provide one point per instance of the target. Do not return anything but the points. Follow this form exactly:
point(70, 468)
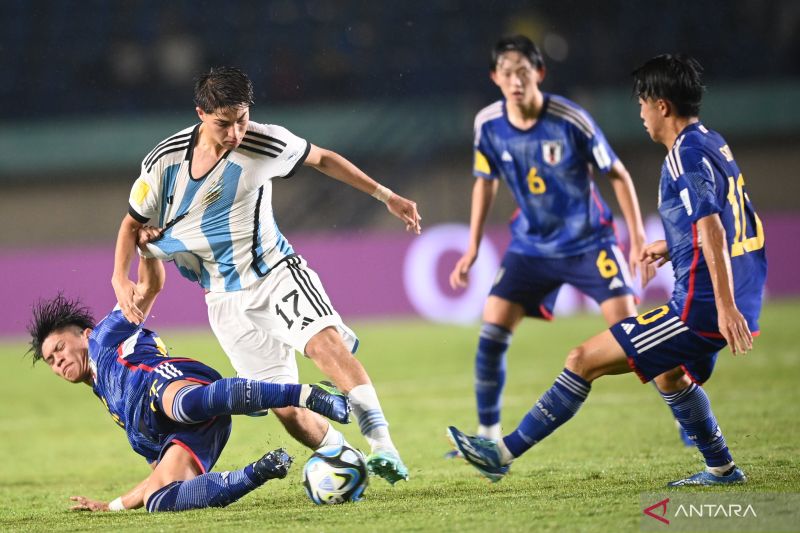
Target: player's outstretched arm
point(133, 499)
point(334, 165)
point(124, 288)
point(732, 325)
point(628, 202)
point(483, 194)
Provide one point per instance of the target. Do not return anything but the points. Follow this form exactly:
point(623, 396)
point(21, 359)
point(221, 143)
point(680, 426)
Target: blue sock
point(231, 396)
point(693, 411)
point(556, 406)
point(490, 372)
point(213, 489)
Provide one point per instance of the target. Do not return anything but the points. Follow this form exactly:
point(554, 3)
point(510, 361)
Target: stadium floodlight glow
point(425, 290)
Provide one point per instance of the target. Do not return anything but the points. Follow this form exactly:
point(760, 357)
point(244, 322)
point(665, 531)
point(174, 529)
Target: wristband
point(116, 505)
point(382, 193)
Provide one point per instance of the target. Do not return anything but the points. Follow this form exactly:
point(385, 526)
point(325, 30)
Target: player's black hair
point(517, 43)
point(677, 78)
point(53, 315)
point(223, 87)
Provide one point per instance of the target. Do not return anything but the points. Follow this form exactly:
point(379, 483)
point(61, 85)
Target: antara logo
point(658, 511)
point(713, 510)
point(649, 511)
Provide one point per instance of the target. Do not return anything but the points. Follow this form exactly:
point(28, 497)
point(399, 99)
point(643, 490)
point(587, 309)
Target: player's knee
point(160, 497)
point(326, 343)
point(578, 362)
point(672, 381)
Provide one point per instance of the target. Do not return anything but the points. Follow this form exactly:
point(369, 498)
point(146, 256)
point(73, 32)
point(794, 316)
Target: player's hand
point(405, 210)
point(637, 264)
point(655, 252)
point(85, 504)
point(148, 234)
point(733, 326)
point(127, 296)
point(459, 277)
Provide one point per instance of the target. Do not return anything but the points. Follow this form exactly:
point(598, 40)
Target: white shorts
point(261, 326)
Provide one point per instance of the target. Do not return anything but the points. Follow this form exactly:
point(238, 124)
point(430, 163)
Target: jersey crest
point(552, 151)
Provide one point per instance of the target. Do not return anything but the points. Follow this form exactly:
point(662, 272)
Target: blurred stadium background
point(89, 87)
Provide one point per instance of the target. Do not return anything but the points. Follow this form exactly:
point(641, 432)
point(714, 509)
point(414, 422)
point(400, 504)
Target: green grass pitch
point(57, 439)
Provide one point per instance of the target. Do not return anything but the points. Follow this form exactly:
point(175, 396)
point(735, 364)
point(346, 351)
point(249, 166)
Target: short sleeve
point(293, 151)
point(697, 185)
point(602, 156)
point(482, 164)
point(592, 143)
point(144, 201)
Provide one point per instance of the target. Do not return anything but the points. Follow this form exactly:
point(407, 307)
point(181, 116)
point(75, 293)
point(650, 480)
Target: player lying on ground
point(715, 241)
point(175, 411)
point(209, 187)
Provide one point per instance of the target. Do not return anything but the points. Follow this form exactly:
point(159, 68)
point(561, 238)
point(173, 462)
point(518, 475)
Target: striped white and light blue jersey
point(220, 228)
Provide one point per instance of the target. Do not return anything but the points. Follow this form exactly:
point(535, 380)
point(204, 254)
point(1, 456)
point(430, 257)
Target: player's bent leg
point(616, 308)
point(177, 483)
point(329, 353)
point(332, 357)
point(187, 402)
point(598, 356)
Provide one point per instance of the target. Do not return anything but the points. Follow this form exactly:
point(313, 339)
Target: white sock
point(368, 413)
point(719, 471)
point(305, 392)
point(333, 437)
point(505, 455)
point(493, 432)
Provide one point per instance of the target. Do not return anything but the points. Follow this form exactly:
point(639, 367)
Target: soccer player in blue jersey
point(174, 410)
point(715, 241)
point(209, 189)
point(546, 149)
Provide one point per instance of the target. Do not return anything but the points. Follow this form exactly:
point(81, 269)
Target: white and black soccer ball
point(335, 474)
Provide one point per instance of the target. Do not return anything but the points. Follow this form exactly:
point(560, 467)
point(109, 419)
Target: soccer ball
point(335, 474)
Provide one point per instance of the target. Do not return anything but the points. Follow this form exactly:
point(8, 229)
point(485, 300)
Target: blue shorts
point(658, 341)
point(204, 441)
point(534, 282)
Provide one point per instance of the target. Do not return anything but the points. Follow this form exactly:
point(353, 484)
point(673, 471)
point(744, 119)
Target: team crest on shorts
point(552, 152)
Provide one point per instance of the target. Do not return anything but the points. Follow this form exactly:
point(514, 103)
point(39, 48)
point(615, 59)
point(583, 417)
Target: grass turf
point(57, 440)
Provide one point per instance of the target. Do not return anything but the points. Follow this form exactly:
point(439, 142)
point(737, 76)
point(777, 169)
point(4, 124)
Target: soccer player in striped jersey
point(208, 189)
point(715, 241)
point(175, 411)
point(546, 149)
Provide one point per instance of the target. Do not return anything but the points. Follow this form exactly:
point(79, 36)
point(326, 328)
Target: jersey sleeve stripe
point(172, 141)
point(267, 138)
point(490, 112)
point(673, 171)
point(164, 152)
point(257, 151)
point(571, 115)
point(250, 140)
point(677, 151)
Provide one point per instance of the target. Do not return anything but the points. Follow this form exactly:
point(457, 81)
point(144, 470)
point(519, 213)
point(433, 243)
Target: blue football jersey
point(549, 171)
point(121, 354)
point(699, 178)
